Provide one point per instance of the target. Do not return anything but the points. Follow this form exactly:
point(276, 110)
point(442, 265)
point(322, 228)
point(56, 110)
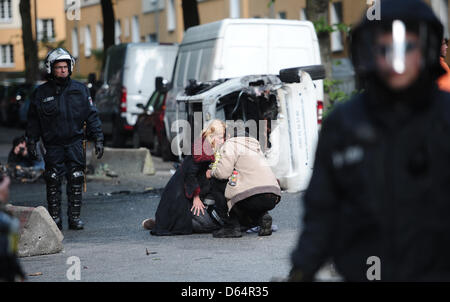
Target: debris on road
point(147, 252)
point(148, 190)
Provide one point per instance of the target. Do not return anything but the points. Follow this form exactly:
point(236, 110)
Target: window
point(440, 8)
point(87, 41)
point(303, 15)
point(336, 18)
point(6, 55)
point(282, 15)
point(149, 6)
point(118, 31)
point(75, 42)
point(235, 9)
point(99, 35)
point(126, 27)
point(135, 31)
point(171, 18)
point(5, 11)
point(46, 30)
point(151, 38)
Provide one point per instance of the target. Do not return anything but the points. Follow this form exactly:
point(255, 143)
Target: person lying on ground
point(182, 208)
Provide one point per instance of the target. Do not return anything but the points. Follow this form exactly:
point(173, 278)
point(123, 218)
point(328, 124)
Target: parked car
point(149, 130)
point(287, 103)
point(15, 103)
point(233, 48)
point(128, 80)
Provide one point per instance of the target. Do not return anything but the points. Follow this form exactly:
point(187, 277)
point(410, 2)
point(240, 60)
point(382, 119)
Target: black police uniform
point(57, 114)
point(380, 185)
point(10, 267)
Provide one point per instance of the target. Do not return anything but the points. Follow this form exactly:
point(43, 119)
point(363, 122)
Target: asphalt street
point(114, 247)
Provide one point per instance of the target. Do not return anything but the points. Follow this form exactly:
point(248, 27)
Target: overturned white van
point(233, 48)
point(283, 108)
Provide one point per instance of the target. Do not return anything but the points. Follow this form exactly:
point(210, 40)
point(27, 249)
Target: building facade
point(77, 24)
point(51, 31)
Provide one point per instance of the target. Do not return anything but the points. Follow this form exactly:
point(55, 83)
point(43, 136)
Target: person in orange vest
point(444, 81)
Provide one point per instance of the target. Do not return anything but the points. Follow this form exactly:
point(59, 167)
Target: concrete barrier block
point(39, 234)
point(125, 161)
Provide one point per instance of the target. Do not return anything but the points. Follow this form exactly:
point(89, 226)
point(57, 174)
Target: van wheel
point(118, 139)
point(291, 75)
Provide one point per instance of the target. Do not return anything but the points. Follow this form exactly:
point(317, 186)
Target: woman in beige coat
point(252, 189)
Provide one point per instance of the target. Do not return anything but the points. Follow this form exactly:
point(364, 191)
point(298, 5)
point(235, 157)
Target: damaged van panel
point(285, 115)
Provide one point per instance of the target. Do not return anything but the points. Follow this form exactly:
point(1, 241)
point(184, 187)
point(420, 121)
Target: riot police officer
point(58, 111)
point(10, 268)
point(378, 201)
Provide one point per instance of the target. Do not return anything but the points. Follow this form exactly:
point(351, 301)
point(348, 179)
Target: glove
point(99, 149)
point(31, 146)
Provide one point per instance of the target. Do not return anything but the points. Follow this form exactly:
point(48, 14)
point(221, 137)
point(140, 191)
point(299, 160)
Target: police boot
point(74, 195)
point(53, 182)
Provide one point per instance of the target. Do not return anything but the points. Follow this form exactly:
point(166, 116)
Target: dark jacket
point(10, 267)
point(57, 114)
point(26, 161)
point(173, 215)
point(19, 159)
point(380, 187)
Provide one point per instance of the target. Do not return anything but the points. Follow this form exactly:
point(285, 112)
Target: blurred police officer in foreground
point(381, 182)
point(58, 110)
point(10, 269)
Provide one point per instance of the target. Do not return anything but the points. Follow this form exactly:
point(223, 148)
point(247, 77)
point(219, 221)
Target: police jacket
point(381, 187)
point(10, 266)
point(57, 114)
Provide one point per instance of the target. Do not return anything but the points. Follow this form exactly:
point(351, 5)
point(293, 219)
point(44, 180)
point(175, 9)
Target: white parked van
point(129, 79)
point(238, 47)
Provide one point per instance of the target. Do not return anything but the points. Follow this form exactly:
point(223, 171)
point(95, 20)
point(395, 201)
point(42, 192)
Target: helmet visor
point(396, 48)
point(396, 51)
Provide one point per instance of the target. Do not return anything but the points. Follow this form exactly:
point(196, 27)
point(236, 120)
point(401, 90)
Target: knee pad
point(77, 177)
point(51, 177)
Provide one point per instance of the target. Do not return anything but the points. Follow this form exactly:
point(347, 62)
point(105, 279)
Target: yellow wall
point(213, 10)
point(89, 15)
point(209, 11)
point(13, 36)
point(46, 9)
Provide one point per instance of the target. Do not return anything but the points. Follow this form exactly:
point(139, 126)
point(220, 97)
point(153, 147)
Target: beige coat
point(244, 155)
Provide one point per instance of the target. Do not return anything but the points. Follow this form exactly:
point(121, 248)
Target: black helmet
point(416, 16)
point(57, 55)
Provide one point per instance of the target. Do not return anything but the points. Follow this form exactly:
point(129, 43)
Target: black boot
point(53, 182)
point(230, 229)
point(265, 225)
point(74, 195)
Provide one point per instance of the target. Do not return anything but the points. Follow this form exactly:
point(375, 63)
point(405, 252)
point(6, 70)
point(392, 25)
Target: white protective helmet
point(56, 55)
